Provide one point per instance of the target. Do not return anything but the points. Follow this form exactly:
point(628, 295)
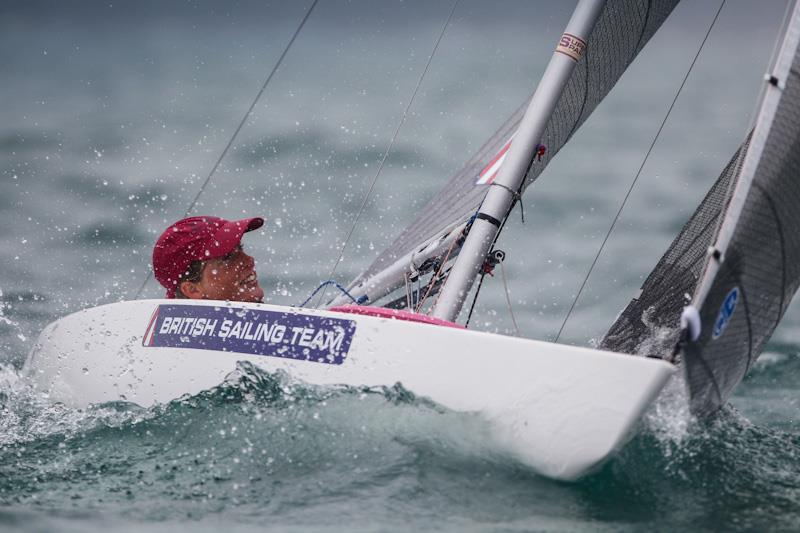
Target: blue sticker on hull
point(725, 313)
point(251, 331)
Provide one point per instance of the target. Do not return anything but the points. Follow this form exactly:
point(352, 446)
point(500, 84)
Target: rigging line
point(474, 299)
point(732, 185)
point(508, 298)
point(638, 173)
point(250, 109)
point(241, 125)
point(435, 278)
point(388, 149)
point(518, 198)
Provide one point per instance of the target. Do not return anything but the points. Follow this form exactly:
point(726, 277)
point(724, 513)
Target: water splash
point(668, 418)
point(7, 321)
point(26, 415)
point(256, 438)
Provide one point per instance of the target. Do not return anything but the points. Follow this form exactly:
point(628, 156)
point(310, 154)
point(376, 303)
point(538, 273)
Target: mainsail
point(622, 30)
point(751, 268)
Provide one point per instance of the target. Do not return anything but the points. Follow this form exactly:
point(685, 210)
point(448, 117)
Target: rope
point(517, 200)
point(638, 173)
point(474, 299)
point(435, 277)
point(338, 286)
point(388, 149)
point(508, 298)
point(241, 125)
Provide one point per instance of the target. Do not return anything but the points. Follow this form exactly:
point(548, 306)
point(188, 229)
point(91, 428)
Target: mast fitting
point(774, 81)
point(492, 260)
point(691, 323)
point(715, 254)
point(511, 191)
point(489, 218)
point(514, 194)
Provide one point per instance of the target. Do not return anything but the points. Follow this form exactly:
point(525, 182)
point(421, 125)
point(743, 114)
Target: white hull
point(560, 409)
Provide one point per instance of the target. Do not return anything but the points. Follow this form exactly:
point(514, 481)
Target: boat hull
point(559, 409)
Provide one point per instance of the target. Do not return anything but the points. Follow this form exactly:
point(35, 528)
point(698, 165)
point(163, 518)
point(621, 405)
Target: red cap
point(196, 239)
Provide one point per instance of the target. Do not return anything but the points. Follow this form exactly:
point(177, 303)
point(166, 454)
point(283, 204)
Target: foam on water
point(261, 445)
point(256, 439)
point(28, 415)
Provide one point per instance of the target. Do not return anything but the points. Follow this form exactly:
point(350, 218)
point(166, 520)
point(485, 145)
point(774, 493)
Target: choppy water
point(113, 116)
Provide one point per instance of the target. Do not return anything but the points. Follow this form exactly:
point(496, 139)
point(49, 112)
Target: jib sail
point(743, 274)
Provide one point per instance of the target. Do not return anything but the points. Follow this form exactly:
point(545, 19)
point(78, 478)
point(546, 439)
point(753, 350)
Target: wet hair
point(194, 274)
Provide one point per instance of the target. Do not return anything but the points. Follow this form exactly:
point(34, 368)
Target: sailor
point(202, 258)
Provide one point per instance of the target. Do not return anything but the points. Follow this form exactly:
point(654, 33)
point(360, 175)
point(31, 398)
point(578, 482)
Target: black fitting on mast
point(489, 218)
point(774, 81)
point(492, 259)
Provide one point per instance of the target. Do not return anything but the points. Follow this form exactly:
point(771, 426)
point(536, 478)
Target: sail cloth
point(741, 300)
point(624, 27)
point(648, 325)
point(761, 268)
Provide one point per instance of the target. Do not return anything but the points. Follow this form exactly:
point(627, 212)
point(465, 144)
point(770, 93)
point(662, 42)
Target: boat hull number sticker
point(251, 331)
point(571, 46)
point(725, 313)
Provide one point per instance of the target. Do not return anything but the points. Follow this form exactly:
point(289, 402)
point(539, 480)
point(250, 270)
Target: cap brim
point(254, 223)
point(229, 235)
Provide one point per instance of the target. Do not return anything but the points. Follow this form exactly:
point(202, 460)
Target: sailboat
point(561, 410)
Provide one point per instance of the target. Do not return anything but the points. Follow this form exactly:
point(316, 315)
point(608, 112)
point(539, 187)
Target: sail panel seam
point(749, 324)
point(782, 241)
point(577, 122)
point(711, 377)
point(644, 28)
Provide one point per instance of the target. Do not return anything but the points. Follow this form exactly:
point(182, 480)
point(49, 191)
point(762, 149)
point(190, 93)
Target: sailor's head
point(202, 257)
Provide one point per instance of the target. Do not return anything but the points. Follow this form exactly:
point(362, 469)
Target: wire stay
point(386, 152)
point(638, 173)
point(239, 127)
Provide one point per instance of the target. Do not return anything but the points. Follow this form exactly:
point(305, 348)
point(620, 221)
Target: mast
point(775, 83)
point(503, 191)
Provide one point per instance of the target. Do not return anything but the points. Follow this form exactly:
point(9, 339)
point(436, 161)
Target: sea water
point(114, 115)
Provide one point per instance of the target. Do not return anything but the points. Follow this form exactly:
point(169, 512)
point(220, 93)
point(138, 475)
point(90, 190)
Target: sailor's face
point(231, 278)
